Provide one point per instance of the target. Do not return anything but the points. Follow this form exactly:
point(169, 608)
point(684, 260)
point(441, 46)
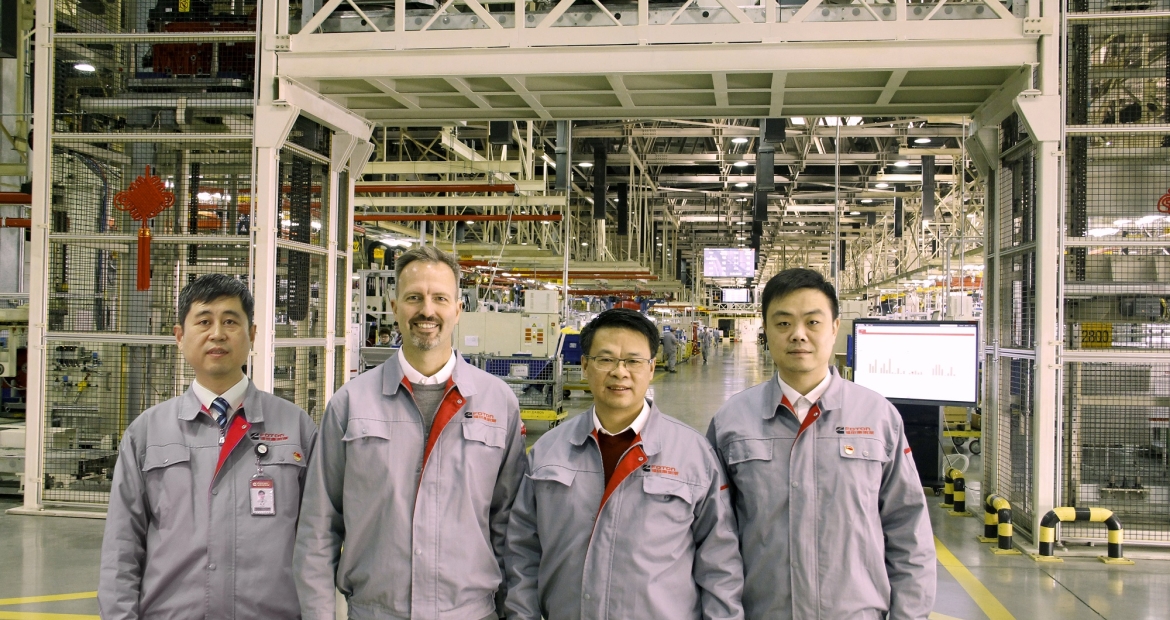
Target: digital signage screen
point(729, 263)
point(736, 295)
point(918, 362)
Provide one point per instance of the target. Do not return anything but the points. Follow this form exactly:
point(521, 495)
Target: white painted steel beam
point(459, 201)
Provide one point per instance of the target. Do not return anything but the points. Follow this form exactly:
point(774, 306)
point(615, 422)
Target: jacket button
point(586, 597)
point(866, 453)
point(418, 551)
point(211, 566)
point(640, 459)
point(215, 492)
point(459, 401)
point(795, 484)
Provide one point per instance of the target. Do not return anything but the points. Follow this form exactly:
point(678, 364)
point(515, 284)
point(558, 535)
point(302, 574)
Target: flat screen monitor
point(736, 295)
point(918, 362)
point(729, 263)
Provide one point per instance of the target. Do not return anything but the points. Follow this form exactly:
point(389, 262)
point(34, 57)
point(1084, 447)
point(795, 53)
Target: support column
point(41, 159)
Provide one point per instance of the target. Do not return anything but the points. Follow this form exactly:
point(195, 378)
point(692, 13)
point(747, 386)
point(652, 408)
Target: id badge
point(263, 493)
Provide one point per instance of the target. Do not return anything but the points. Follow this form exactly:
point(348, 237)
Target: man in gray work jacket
point(418, 463)
point(832, 517)
point(626, 512)
point(193, 528)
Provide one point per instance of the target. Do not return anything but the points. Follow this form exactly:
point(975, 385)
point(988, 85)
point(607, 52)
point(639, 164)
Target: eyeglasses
point(606, 364)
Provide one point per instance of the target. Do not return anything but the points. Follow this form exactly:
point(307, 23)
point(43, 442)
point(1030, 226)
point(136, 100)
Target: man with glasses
point(626, 511)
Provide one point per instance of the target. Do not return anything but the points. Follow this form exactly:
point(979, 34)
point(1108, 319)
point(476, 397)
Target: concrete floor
point(53, 561)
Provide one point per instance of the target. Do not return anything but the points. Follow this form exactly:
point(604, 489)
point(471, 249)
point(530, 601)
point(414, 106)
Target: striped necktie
point(220, 406)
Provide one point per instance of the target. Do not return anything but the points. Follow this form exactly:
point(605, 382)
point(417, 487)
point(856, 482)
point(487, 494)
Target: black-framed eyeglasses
point(633, 364)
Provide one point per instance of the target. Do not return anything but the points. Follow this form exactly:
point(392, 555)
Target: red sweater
point(612, 449)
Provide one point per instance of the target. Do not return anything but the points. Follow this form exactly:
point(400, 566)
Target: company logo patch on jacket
point(663, 469)
point(854, 430)
point(481, 415)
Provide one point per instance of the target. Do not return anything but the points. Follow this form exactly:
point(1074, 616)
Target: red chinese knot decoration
point(1164, 202)
point(144, 199)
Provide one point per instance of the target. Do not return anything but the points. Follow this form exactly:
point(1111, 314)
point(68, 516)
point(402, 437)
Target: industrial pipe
point(15, 222)
point(431, 188)
point(15, 198)
point(416, 217)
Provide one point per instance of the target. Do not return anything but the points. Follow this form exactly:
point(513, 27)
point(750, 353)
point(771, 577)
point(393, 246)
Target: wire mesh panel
point(340, 371)
point(93, 391)
point(303, 206)
point(299, 378)
point(1014, 465)
point(300, 294)
point(1115, 430)
point(143, 16)
point(1118, 69)
point(174, 85)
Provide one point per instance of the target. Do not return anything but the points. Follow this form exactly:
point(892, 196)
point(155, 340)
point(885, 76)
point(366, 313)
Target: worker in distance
point(417, 464)
point(832, 517)
point(626, 512)
point(207, 489)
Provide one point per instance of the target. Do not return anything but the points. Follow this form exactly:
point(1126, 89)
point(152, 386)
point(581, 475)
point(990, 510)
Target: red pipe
point(15, 198)
point(15, 222)
point(429, 188)
point(413, 217)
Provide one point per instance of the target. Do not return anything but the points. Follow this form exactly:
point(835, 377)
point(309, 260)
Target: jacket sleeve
point(508, 481)
point(321, 529)
point(523, 556)
point(910, 556)
point(718, 565)
point(124, 544)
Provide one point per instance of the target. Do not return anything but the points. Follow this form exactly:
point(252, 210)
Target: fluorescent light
point(901, 163)
point(739, 140)
point(922, 141)
point(741, 199)
point(741, 184)
point(742, 223)
point(855, 213)
point(1102, 232)
point(812, 209)
point(584, 243)
point(699, 218)
point(586, 164)
point(85, 67)
point(881, 185)
point(797, 120)
point(866, 201)
point(741, 164)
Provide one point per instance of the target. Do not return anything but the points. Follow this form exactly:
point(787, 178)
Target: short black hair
point(622, 318)
point(792, 280)
point(213, 286)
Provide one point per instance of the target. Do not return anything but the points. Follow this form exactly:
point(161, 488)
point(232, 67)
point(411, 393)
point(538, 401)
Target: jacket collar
point(462, 376)
point(651, 443)
point(829, 401)
point(190, 407)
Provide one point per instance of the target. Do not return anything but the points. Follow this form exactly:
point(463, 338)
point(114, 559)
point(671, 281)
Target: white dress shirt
point(234, 395)
point(802, 403)
point(637, 425)
point(414, 376)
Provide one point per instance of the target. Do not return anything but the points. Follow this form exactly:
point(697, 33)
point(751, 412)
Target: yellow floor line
point(975, 588)
point(48, 598)
point(33, 615)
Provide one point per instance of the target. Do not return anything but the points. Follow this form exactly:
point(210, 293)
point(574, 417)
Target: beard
point(423, 343)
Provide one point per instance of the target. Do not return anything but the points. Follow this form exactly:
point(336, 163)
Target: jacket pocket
point(749, 450)
point(667, 488)
point(560, 475)
point(158, 457)
point(474, 430)
point(366, 428)
point(863, 448)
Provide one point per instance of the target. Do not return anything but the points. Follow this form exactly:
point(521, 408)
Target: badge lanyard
point(261, 488)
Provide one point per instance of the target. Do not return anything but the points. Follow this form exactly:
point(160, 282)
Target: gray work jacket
point(669, 342)
point(832, 519)
point(658, 543)
point(423, 525)
point(181, 541)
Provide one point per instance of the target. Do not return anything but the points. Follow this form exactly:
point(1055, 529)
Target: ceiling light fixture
point(739, 140)
point(855, 213)
point(741, 164)
point(922, 141)
point(741, 184)
point(85, 67)
point(881, 185)
point(586, 164)
point(901, 163)
point(866, 201)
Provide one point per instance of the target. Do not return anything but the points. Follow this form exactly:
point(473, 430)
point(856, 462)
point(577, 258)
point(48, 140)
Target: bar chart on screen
point(918, 360)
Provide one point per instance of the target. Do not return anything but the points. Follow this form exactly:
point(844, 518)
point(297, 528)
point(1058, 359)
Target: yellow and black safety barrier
point(997, 525)
point(1064, 514)
point(954, 492)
